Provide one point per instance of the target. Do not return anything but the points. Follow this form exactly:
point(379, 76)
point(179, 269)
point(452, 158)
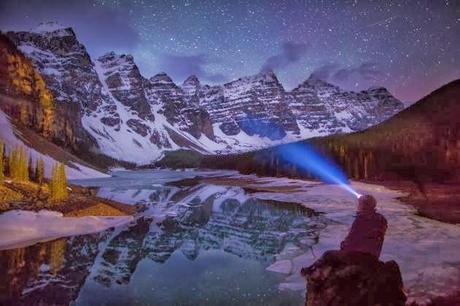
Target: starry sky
point(410, 47)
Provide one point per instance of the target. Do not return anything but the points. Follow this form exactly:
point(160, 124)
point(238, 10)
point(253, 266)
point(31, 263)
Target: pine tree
point(40, 171)
point(63, 181)
point(58, 183)
point(53, 183)
point(18, 164)
point(13, 164)
point(2, 166)
point(30, 168)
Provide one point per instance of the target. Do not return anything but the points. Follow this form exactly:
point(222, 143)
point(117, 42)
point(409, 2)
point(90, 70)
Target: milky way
point(411, 47)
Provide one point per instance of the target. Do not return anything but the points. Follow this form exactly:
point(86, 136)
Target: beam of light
point(308, 159)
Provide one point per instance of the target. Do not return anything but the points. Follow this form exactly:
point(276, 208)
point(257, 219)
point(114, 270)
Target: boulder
point(354, 279)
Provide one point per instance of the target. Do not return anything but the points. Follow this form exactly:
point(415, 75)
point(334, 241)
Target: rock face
point(27, 99)
point(125, 83)
point(257, 105)
point(132, 118)
point(327, 109)
point(353, 279)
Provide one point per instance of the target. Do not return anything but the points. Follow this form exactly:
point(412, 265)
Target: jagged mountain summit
point(133, 118)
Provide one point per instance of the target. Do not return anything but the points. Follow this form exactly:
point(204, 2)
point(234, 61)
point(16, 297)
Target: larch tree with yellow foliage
point(58, 183)
point(40, 171)
point(2, 166)
point(19, 165)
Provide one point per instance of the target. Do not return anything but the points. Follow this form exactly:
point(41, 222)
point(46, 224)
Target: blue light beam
point(307, 158)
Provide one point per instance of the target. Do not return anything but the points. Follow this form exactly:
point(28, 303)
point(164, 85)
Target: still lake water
point(203, 244)
point(191, 245)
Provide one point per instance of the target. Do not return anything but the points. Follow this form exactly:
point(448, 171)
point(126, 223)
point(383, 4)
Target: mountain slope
point(38, 147)
point(422, 142)
point(128, 117)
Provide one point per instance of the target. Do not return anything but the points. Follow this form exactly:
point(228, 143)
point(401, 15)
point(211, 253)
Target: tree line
point(18, 166)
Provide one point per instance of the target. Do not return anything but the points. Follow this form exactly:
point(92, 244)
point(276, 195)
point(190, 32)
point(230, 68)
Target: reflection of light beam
point(305, 157)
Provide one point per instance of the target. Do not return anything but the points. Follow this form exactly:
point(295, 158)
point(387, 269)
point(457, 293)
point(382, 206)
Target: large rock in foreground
point(354, 279)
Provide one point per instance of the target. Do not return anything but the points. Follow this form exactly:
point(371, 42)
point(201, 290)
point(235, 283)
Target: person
point(354, 275)
point(367, 232)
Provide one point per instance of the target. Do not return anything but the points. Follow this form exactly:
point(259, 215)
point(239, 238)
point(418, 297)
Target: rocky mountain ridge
point(132, 118)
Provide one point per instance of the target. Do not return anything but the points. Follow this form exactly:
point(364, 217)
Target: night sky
point(411, 47)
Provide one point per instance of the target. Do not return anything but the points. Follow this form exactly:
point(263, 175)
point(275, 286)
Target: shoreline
point(441, 202)
point(28, 217)
point(82, 201)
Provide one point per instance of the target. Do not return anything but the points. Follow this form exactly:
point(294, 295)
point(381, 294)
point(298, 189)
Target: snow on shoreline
point(426, 250)
point(19, 228)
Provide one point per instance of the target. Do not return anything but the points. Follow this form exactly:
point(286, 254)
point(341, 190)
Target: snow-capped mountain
point(136, 119)
point(327, 109)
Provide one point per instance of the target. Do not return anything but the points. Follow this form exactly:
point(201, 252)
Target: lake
point(205, 244)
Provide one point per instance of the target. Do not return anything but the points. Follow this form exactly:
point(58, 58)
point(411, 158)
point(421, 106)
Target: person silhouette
point(354, 275)
point(368, 230)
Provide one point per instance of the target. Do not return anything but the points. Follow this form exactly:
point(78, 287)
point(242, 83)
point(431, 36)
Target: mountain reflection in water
point(192, 245)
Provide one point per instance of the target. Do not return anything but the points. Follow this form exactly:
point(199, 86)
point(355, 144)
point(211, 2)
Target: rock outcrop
point(354, 279)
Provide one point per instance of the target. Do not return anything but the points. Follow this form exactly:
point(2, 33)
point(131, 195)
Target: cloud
point(182, 66)
point(324, 72)
point(368, 71)
point(100, 28)
point(290, 53)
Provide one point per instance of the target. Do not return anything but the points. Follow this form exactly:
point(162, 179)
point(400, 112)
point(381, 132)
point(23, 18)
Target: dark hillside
point(422, 143)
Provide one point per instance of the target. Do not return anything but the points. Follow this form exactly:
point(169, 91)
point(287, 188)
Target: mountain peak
point(267, 73)
point(380, 89)
point(112, 56)
point(161, 77)
point(192, 80)
point(106, 56)
point(314, 82)
point(53, 27)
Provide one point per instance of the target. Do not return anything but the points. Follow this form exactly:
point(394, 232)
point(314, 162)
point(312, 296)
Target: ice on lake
point(208, 244)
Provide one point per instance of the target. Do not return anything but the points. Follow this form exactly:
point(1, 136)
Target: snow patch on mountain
point(137, 119)
point(9, 136)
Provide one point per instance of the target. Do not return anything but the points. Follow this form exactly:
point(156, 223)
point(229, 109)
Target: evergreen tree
point(53, 182)
point(58, 183)
point(63, 180)
point(23, 165)
point(30, 168)
point(2, 166)
point(13, 164)
point(18, 164)
point(40, 171)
